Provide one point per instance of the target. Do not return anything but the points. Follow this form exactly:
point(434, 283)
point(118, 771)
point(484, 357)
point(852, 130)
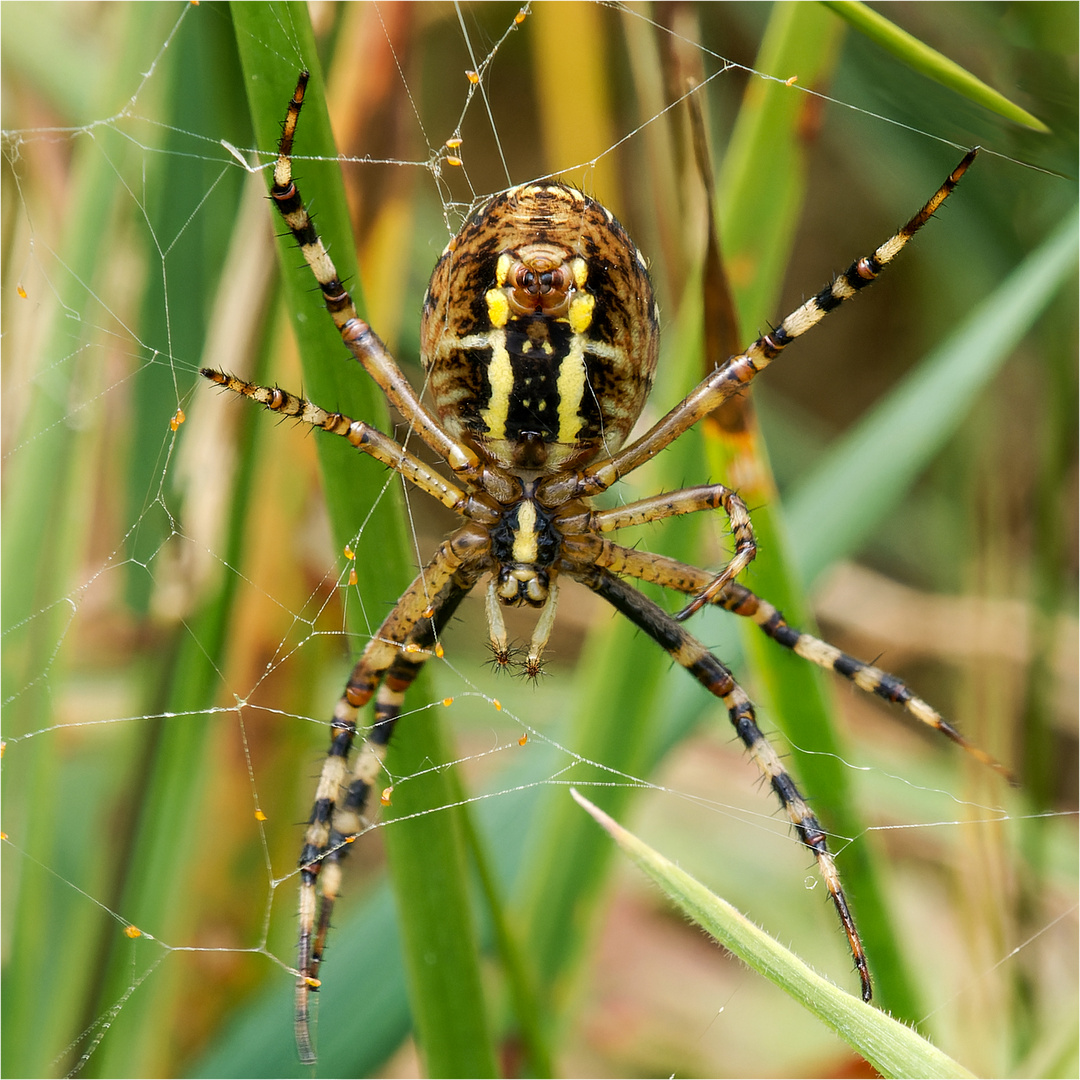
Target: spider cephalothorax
point(539, 338)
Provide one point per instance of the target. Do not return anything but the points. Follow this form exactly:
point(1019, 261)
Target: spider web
point(178, 620)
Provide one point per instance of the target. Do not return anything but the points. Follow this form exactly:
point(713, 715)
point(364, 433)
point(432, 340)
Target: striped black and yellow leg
point(689, 501)
point(739, 600)
point(360, 339)
point(387, 667)
point(733, 376)
point(715, 677)
point(363, 436)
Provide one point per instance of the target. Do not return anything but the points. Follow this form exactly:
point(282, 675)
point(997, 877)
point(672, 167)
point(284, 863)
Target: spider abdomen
point(540, 330)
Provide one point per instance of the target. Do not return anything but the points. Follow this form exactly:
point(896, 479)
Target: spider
point(539, 339)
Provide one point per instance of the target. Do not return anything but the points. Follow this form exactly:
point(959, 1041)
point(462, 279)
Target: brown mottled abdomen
point(539, 331)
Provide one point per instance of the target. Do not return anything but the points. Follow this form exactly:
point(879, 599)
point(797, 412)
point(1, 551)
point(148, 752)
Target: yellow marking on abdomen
point(571, 388)
point(498, 307)
point(581, 312)
point(501, 378)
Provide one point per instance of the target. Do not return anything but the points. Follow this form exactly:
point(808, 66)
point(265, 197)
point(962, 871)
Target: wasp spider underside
point(539, 341)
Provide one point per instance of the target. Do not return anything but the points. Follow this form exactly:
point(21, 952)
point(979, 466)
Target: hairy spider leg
point(363, 436)
point(738, 599)
point(360, 339)
point(387, 668)
point(688, 501)
point(718, 680)
point(738, 371)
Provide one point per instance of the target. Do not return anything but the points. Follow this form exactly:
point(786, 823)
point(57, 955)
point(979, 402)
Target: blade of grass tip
point(892, 1048)
point(426, 852)
point(758, 213)
point(867, 471)
point(930, 62)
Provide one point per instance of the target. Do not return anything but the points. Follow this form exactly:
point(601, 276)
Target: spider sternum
point(525, 545)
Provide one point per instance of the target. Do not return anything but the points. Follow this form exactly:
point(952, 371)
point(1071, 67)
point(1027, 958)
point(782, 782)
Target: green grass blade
point(871, 468)
point(930, 62)
point(164, 850)
point(891, 1047)
point(788, 690)
point(426, 852)
point(83, 949)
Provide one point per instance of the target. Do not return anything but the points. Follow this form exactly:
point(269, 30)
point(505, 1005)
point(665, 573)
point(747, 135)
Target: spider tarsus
point(221, 378)
point(532, 669)
point(707, 596)
point(978, 753)
point(503, 658)
point(302, 1026)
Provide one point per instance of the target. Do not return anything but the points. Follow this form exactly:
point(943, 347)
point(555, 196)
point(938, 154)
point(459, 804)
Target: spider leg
point(739, 600)
point(360, 339)
point(389, 664)
point(542, 631)
point(689, 501)
point(501, 652)
point(715, 677)
point(738, 371)
point(365, 438)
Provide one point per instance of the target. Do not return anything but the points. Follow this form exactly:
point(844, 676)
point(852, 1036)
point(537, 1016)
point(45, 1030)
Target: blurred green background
point(153, 578)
